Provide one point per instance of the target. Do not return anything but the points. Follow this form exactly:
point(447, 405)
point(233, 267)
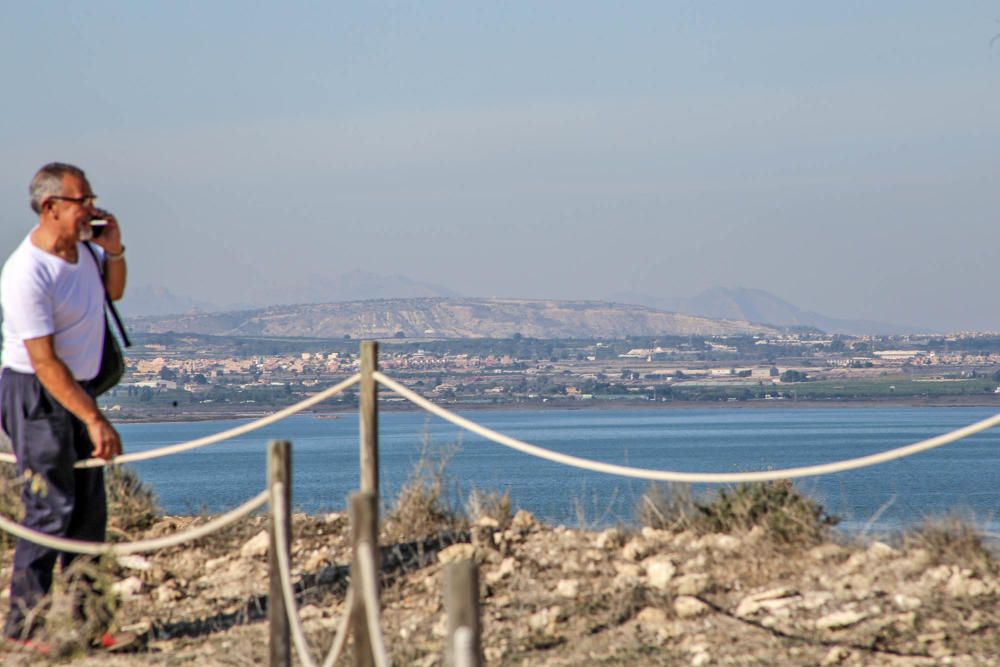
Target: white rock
point(316, 560)
point(906, 602)
point(701, 658)
point(635, 549)
point(568, 588)
point(692, 584)
point(684, 539)
point(881, 551)
point(611, 538)
point(686, 606)
point(524, 520)
point(816, 599)
point(213, 564)
point(765, 599)
point(659, 571)
point(127, 588)
point(657, 535)
point(166, 593)
point(962, 585)
point(631, 570)
point(310, 611)
point(835, 656)
point(727, 543)
point(134, 562)
point(440, 629)
point(652, 618)
point(456, 552)
point(840, 619)
point(826, 551)
point(546, 619)
point(935, 575)
point(255, 546)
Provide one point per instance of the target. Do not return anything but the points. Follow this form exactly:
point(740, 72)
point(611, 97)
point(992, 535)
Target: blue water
point(963, 476)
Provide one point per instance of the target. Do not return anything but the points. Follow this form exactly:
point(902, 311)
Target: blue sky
point(843, 156)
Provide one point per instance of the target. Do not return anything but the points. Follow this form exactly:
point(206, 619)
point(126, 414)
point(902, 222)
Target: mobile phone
point(98, 226)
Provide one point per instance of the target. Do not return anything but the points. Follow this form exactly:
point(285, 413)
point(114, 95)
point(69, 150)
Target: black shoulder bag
point(112, 360)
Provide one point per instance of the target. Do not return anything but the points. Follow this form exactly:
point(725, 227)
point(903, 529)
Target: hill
point(448, 318)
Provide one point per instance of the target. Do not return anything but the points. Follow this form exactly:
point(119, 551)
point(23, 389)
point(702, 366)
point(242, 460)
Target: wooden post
point(364, 528)
point(279, 469)
point(461, 601)
point(368, 414)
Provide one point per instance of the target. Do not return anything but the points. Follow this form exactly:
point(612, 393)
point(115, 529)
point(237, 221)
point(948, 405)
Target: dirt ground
point(556, 596)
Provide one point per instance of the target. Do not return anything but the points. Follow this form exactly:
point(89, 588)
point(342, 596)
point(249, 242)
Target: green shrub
point(777, 507)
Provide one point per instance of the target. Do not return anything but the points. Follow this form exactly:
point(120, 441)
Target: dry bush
point(490, 504)
point(132, 506)
point(777, 507)
point(952, 540)
point(421, 509)
point(667, 506)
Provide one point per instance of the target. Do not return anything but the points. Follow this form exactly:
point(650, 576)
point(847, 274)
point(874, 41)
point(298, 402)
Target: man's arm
point(58, 381)
point(115, 272)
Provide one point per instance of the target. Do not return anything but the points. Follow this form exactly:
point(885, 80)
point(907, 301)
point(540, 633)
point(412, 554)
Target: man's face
point(73, 209)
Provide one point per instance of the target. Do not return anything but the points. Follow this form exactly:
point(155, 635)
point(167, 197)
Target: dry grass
point(421, 508)
point(952, 540)
point(132, 506)
point(491, 505)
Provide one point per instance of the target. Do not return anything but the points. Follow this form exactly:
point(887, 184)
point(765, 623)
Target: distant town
point(191, 376)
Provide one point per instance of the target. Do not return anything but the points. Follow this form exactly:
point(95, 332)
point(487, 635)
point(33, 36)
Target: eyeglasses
point(88, 200)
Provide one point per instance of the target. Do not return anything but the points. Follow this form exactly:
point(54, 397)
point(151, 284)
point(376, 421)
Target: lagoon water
point(964, 476)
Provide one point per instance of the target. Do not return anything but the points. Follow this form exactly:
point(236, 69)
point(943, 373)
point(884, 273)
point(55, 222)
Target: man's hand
point(103, 435)
point(58, 381)
point(111, 238)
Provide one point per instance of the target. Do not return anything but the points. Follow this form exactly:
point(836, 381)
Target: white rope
point(688, 477)
point(285, 574)
point(340, 640)
point(366, 561)
point(98, 548)
point(223, 435)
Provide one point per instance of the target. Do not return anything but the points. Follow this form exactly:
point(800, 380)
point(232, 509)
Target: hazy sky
point(843, 156)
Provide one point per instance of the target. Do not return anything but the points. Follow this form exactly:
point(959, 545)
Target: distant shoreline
point(166, 416)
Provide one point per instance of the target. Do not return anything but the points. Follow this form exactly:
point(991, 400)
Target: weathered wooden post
point(368, 414)
point(279, 470)
point(364, 528)
point(463, 647)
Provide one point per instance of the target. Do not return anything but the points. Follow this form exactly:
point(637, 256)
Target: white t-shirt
point(42, 294)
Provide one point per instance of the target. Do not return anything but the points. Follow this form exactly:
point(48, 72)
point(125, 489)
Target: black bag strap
point(107, 299)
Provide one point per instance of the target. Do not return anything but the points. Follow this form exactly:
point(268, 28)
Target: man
point(52, 297)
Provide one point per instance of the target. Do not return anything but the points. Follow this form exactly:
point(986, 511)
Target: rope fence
point(688, 477)
point(140, 546)
point(217, 437)
point(361, 611)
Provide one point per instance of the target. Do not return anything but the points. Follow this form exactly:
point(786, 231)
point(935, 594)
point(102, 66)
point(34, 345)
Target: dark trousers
point(58, 499)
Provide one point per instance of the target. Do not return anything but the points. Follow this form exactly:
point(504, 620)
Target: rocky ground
point(556, 596)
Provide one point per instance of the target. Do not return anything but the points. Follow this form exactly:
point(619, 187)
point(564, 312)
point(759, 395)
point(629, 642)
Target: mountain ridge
point(448, 317)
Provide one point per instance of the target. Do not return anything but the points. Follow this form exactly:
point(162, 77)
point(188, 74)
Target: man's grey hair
point(48, 182)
